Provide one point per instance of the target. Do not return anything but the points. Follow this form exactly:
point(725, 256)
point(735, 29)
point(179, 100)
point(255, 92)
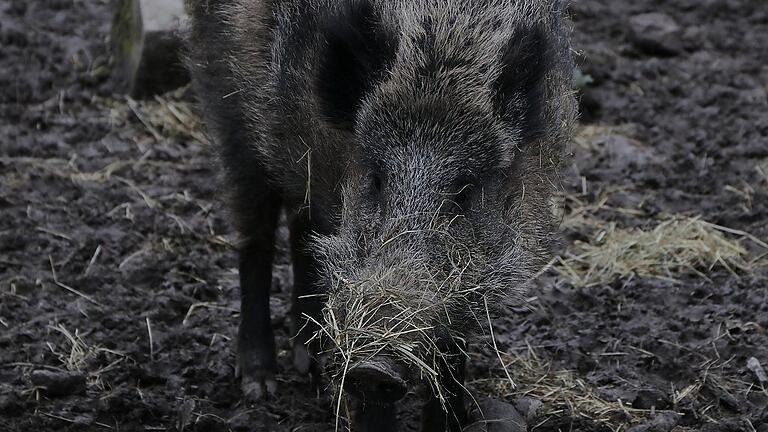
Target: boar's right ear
point(519, 89)
point(357, 50)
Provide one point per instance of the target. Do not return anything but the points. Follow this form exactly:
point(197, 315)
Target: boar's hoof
point(378, 380)
point(256, 389)
point(256, 367)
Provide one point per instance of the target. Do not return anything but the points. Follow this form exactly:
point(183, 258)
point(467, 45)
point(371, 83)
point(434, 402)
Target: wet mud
point(118, 282)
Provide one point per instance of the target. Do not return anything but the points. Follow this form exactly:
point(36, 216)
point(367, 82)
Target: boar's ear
point(519, 91)
point(356, 53)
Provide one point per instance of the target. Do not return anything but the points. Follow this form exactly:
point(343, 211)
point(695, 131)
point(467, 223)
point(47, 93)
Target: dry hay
point(78, 356)
point(169, 116)
point(670, 248)
point(664, 248)
point(561, 393)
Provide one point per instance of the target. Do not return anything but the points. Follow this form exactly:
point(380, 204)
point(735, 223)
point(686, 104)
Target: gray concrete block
point(147, 45)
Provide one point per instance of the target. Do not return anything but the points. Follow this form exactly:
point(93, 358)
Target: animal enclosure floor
point(117, 265)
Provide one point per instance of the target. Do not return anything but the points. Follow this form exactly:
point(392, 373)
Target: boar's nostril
point(377, 380)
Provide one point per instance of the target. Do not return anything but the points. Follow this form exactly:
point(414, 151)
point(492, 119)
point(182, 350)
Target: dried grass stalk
point(666, 250)
point(560, 392)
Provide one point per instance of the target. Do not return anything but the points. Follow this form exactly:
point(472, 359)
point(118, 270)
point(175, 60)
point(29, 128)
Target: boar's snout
point(379, 380)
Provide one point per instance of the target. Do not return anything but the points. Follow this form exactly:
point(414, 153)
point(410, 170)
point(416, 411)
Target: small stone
point(754, 365)
point(528, 407)
point(55, 383)
point(625, 152)
point(491, 415)
point(655, 34)
point(147, 45)
point(82, 420)
point(651, 398)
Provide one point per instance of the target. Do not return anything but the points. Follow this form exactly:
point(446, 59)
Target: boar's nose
point(379, 380)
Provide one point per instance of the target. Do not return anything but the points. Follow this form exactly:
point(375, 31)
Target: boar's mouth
point(380, 380)
point(381, 334)
point(412, 304)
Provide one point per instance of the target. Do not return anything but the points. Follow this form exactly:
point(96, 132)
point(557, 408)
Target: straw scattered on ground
point(666, 247)
point(171, 115)
point(561, 392)
point(564, 393)
point(78, 356)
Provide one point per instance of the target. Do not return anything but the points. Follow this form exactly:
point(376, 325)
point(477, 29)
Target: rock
point(528, 407)
point(665, 421)
point(147, 45)
point(82, 420)
point(648, 398)
point(56, 383)
point(754, 365)
point(655, 34)
point(623, 152)
point(491, 415)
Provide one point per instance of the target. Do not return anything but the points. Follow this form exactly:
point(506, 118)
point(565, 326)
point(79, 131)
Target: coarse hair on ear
point(519, 89)
point(356, 51)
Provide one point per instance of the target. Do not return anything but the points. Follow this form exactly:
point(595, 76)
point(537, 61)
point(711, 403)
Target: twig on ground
point(92, 261)
point(69, 288)
point(151, 340)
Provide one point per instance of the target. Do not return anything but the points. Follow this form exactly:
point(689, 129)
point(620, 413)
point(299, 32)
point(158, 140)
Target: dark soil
point(114, 238)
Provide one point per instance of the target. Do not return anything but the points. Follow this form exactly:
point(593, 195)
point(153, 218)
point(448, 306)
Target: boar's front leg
point(434, 417)
point(306, 307)
point(256, 342)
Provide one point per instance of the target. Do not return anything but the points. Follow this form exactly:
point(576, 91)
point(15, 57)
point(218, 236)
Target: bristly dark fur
point(356, 53)
point(415, 145)
point(519, 92)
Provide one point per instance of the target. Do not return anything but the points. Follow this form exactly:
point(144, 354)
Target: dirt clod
point(651, 398)
point(655, 33)
point(57, 383)
point(529, 407)
point(663, 422)
point(490, 415)
point(79, 170)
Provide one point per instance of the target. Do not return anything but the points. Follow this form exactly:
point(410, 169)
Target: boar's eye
point(375, 184)
point(461, 199)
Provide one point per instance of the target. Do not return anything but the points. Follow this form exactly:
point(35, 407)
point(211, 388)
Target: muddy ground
point(117, 264)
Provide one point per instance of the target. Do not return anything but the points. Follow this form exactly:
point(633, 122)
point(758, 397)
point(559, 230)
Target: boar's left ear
point(357, 51)
point(519, 89)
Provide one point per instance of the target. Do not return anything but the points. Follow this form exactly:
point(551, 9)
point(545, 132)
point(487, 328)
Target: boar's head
point(458, 121)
